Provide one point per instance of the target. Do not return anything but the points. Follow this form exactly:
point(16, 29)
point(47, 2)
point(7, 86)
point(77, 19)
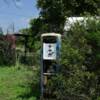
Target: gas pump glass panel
point(49, 48)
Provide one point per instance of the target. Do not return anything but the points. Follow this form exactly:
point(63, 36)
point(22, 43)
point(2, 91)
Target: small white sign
point(49, 51)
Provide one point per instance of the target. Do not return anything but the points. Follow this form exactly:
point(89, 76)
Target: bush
point(7, 53)
point(27, 60)
point(31, 58)
point(79, 74)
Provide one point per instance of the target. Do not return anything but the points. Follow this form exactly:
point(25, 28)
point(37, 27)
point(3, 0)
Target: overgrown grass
point(17, 83)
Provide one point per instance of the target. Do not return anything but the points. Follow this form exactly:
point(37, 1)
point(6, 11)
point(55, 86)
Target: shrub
point(7, 53)
point(79, 74)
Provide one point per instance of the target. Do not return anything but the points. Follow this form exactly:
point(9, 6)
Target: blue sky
point(19, 15)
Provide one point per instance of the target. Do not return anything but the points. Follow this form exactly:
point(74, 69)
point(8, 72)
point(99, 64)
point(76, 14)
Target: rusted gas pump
point(50, 54)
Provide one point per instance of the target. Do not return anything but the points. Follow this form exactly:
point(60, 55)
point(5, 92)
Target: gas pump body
point(50, 54)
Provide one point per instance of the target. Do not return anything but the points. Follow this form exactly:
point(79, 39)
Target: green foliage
point(36, 26)
point(81, 7)
point(18, 83)
point(27, 60)
point(25, 31)
point(7, 54)
point(31, 58)
point(34, 32)
point(79, 74)
point(53, 14)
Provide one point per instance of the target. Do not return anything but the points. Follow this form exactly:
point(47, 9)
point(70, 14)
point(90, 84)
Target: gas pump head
point(51, 46)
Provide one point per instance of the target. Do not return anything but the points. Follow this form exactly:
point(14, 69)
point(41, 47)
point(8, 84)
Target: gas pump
point(50, 54)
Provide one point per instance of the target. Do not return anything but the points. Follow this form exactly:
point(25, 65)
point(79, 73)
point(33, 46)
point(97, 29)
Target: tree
point(36, 25)
point(54, 12)
point(25, 31)
point(81, 7)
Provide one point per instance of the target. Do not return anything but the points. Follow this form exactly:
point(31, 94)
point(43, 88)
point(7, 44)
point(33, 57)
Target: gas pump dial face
point(49, 51)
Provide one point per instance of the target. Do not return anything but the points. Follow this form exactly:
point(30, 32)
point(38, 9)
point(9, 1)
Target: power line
point(15, 3)
point(11, 13)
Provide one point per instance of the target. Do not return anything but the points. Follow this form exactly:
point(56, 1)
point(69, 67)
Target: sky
point(17, 14)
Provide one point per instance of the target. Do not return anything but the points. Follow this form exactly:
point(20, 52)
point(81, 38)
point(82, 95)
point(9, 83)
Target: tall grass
point(18, 83)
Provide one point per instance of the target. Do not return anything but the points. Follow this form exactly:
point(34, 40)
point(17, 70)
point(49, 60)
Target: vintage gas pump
point(50, 54)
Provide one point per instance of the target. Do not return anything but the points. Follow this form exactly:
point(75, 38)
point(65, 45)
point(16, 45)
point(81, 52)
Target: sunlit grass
point(15, 83)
